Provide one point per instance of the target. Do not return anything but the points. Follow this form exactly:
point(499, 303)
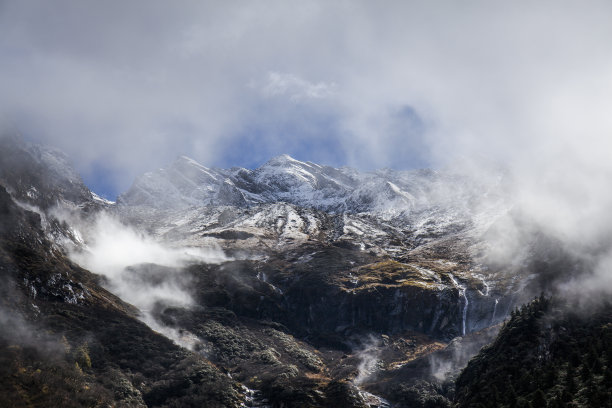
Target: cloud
point(139, 269)
point(113, 246)
point(369, 355)
point(295, 88)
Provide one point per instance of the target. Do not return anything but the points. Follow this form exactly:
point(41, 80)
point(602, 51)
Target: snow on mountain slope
point(386, 193)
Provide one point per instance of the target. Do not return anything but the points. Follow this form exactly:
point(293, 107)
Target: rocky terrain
point(293, 284)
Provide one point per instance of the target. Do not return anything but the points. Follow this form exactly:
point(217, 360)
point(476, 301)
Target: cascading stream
point(463, 292)
point(494, 310)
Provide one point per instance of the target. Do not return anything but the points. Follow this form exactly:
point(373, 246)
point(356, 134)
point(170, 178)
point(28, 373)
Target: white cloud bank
point(131, 84)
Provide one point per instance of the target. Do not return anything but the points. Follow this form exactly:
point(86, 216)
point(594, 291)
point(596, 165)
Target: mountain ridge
point(282, 178)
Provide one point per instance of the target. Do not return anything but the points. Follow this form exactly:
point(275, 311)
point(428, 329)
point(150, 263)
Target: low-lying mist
point(17, 330)
point(558, 227)
point(139, 269)
point(369, 354)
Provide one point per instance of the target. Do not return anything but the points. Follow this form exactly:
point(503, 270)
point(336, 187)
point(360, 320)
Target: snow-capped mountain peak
point(387, 193)
point(282, 160)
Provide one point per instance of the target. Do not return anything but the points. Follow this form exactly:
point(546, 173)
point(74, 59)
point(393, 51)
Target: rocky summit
point(290, 285)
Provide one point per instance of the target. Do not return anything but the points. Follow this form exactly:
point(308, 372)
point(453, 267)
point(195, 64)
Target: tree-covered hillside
point(549, 354)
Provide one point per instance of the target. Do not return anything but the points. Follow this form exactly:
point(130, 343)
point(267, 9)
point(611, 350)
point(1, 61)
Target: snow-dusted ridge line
point(101, 200)
point(386, 193)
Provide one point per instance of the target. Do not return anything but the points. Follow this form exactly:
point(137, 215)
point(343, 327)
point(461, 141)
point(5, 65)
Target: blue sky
point(124, 87)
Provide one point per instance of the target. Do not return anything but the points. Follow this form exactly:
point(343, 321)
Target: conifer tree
point(539, 399)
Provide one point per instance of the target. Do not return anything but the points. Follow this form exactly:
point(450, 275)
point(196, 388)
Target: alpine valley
point(291, 285)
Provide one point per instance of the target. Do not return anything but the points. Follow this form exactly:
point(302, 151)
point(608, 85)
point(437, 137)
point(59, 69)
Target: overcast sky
point(124, 87)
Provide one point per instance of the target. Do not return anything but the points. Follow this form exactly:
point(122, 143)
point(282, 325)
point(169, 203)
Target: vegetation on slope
point(549, 354)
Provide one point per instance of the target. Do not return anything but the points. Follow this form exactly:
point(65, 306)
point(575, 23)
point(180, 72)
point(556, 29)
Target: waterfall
point(494, 310)
point(486, 285)
point(264, 278)
point(463, 292)
point(465, 307)
point(252, 398)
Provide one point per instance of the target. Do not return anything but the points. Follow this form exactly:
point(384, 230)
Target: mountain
point(293, 284)
point(410, 207)
point(187, 183)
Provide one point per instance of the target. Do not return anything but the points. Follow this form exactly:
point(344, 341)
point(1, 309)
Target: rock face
point(329, 307)
point(323, 280)
point(384, 297)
